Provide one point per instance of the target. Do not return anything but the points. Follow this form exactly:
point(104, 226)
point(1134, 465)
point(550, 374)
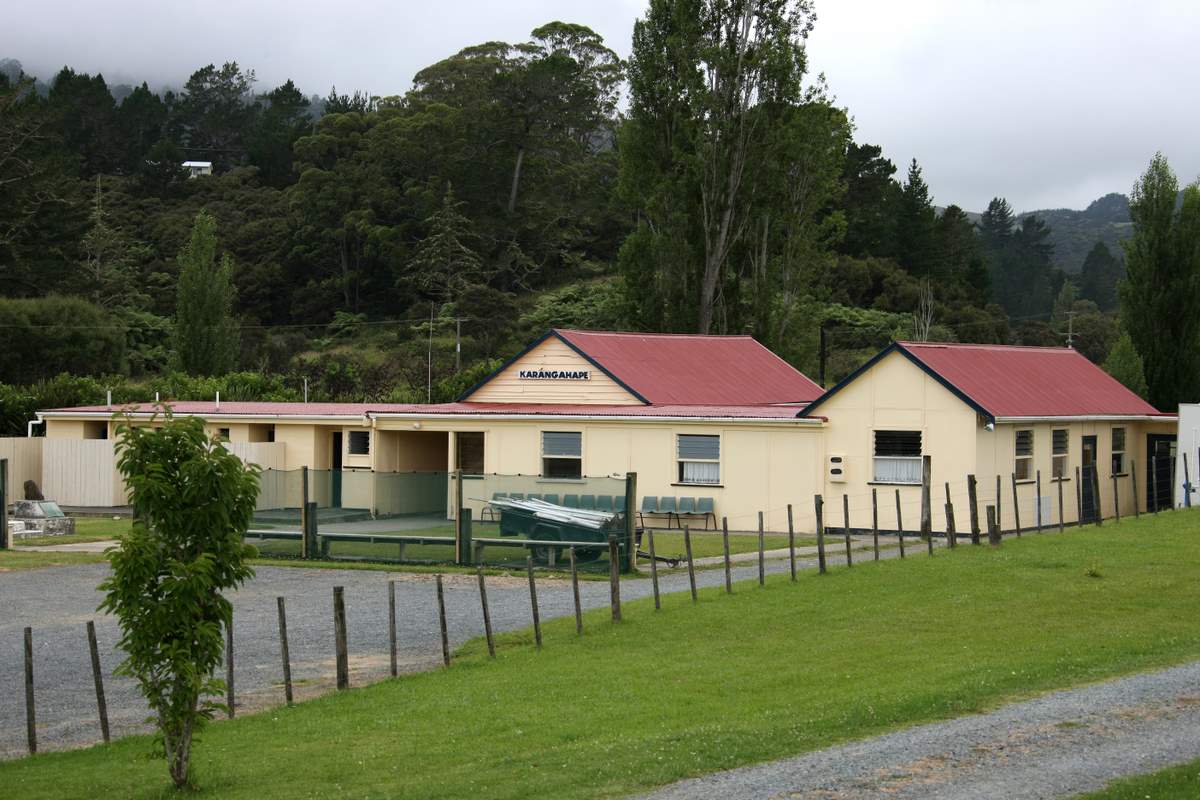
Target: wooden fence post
point(791, 543)
point(614, 578)
point(1137, 514)
point(926, 503)
point(1153, 484)
point(487, 616)
point(441, 603)
point(283, 651)
point(1038, 502)
point(875, 521)
point(1061, 511)
point(1079, 499)
point(575, 592)
point(818, 502)
point(30, 714)
point(98, 679)
point(654, 569)
point(229, 696)
point(951, 533)
point(392, 623)
point(1116, 500)
point(899, 524)
point(1096, 489)
point(339, 636)
point(846, 527)
point(999, 505)
point(631, 519)
point(1016, 506)
point(456, 476)
point(533, 603)
point(725, 546)
point(993, 527)
point(973, 503)
point(304, 543)
point(4, 506)
point(687, 545)
point(762, 564)
point(1187, 484)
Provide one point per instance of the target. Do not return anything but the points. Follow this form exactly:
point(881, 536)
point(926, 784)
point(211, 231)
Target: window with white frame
point(1023, 466)
point(897, 456)
point(699, 458)
point(562, 454)
point(359, 443)
point(1061, 443)
point(1118, 451)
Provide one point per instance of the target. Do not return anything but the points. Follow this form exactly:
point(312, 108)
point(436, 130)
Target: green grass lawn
point(670, 543)
point(87, 529)
point(1175, 783)
point(762, 674)
point(11, 560)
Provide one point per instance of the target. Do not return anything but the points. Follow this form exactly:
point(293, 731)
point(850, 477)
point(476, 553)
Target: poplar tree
point(1124, 364)
point(206, 335)
point(1160, 297)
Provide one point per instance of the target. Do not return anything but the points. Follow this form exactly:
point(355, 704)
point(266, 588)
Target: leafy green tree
point(1125, 364)
point(206, 334)
point(444, 266)
point(86, 115)
point(996, 224)
point(1102, 271)
point(216, 113)
point(47, 335)
point(870, 202)
point(193, 501)
point(709, 82)
point(915, 226)
point(284, 120)
point(1160, 298)
point(109, 275)
point(958, 254)
point(141, 120)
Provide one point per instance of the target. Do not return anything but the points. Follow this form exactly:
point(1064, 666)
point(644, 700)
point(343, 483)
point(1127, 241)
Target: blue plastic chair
point(571, 500)
point(587, 502)
point(534, 496)
point(604, 502)
point(666, 505)
point(649, 506)
point(552, 499)
point(705, 506)
point(619, 504)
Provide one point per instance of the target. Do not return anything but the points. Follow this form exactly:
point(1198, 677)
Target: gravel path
point(57, 602)
point(1055, 746)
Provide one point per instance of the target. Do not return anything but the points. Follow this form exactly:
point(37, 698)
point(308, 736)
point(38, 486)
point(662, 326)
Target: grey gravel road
point(1058, 745)
point(57, 602)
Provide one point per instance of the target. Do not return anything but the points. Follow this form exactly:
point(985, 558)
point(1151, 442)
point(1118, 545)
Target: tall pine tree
point(1160, 298)
point(915, 223)
point(206, 334)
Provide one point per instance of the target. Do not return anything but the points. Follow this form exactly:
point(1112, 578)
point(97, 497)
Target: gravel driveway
point(57, 602)
point(1058, 745)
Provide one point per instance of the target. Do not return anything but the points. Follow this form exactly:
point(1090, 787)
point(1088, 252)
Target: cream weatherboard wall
point(553, 354)
point(764, 465)
point(896, 395)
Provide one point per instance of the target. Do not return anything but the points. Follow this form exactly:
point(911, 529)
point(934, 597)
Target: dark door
point(335, 475)
point(1160, 475)
point(1087, 492)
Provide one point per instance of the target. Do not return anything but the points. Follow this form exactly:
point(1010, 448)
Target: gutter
point(214, 416)
point(1094, 418)
point(601, 418)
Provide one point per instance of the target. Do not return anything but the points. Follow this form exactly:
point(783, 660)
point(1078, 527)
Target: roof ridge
point(655, 333)
point(987, 346)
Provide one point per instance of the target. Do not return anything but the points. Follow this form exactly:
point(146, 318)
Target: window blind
point(558, 443)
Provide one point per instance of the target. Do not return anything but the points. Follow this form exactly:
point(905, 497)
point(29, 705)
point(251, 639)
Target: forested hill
point(1075, 233)
point(398, 246)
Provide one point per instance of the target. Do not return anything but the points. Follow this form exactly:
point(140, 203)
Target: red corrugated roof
point(210, 409)
point(1029, 381)
point(686, 369)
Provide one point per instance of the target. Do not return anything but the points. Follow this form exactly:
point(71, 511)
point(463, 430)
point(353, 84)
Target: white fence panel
point(24, 464)
point(81, 472)
point(268, 455)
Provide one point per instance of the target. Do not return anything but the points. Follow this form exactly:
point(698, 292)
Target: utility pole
point(821, 357)
point(429, 361)
point(1070, 329)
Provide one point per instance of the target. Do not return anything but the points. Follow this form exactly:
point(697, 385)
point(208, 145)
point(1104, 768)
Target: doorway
point(1160, 477)
point(1090, 482)
point(335, 466)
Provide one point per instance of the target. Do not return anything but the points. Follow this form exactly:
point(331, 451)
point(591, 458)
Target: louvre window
point(562, 454)
point(359, 443)
point(1023, 466)
point(898, 456)
point(1061, 444)
point(699, 458)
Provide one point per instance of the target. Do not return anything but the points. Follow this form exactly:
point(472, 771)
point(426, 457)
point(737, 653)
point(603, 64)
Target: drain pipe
point(218, 408)
point(109, 400)
point(29, 427)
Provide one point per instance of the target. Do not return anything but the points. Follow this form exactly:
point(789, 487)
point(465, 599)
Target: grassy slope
point(1175, 783)
point(733, 680)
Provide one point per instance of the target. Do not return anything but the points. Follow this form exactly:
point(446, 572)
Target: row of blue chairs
point(675, 509)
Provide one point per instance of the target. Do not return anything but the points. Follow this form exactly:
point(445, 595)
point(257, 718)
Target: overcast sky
point(1050, 103)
